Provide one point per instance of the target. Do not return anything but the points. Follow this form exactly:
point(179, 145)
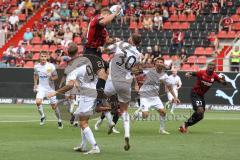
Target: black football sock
point(138, 101)
point(100, 87)
point(195, 118)
point(115, 118)
point(102, 116)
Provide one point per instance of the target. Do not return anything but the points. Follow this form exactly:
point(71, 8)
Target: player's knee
point(38, 102)
point(162, 112)
point(145, 115)
point(102, 74)
point(200, 110)
point(83, 124)
point(54, 106)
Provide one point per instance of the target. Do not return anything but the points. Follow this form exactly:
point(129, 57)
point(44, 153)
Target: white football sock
point(58, 114)
point(173, 107)
point(84, 140)
point(72, 104)
point(162, 122)
point(109, 118)
point(126, 124)
point(90, 137)
point(40, 110)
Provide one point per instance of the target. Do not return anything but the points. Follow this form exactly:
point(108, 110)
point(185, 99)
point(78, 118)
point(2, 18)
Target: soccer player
point(83, 73)
point(177, 83)
point(44, 76)
point(149, 92)
point(97, 36)
point(120, 79)
point(205, 79)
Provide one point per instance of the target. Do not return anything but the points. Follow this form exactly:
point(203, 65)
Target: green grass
point(217, 137)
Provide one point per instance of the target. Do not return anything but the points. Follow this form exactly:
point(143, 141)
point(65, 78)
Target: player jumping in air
point(120, 78)
point(205, 79)
point(149, 92)
point(44, 76)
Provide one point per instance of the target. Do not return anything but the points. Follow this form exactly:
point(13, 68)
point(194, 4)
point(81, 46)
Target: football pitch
point(217, 137)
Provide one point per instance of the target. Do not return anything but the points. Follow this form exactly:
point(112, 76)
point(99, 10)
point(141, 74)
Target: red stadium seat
point(235, 18)
point(36, 48)
point(45, 48)
point(192, 59)
point(238, 10)
point(182, 18)
point(140, 26)
point(184, 25)
point(133, 25)
point(186, 67)
point(209, 51)
point(52, 48)
point(191, 18)
point(36, 56)
point(202, 60)
point(222, 34)
point(29, 64)
point(105, 2)
point(173, 18)
point(167, 25)
point(28, 48)
point(199, 51)
point(36, 40)
point(22, 17)
point(195, 68)
point(176, 25)
point(231, 34)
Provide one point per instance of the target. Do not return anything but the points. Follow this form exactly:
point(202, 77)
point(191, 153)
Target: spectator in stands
point(177, 40)
point(180, 8)
point(56, 16)
point(195, 7)
point(19, 51)
point(14, 20)
point(187, 8)
point(28, 36)
point(215, 8)
point(157, 21)
point(21, 7)
point(56, 3)
point(49, 36)
point(226, 23)
point(75, 28)
point(67, 38)
point(147, 22)
point(156, 52)
point(148, 57)
point(213, 40)
point(235, 59)
point(66, 25)
point(183, 55)
point(165, 14)
point(129, 14)
point(28, 6)
point(37, 28)
point(65, 12)
point(2, 36)
point(74, 13)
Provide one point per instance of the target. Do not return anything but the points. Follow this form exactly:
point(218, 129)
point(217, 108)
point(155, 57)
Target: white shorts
point(42, 93)
point(86, 106)
point(123, 90)
point(149, 102)
point(170, 96)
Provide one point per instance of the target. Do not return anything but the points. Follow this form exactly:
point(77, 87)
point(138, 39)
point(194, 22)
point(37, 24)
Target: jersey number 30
point(129, 62)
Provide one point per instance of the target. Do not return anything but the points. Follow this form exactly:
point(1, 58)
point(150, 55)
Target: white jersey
point(176, 80)
point(151, 85)
point(125, 57)
point(86, 78)
point(44, 73)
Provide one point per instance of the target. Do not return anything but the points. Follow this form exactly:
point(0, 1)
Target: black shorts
point(197, 101)
point(95, 57)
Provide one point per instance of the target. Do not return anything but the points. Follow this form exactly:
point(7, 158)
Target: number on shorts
point(199, 103)
point(128, 65)
point(90, 72)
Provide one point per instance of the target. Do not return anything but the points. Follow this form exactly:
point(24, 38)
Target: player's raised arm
point(221, 79)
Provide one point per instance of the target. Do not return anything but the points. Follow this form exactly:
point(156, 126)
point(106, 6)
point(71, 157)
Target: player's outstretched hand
point(188, 75)
point(51, 94)
point(176, 100)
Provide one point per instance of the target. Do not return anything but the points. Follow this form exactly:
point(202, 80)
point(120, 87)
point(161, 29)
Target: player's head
point(210, 68)
point(159, 63)
point(44, 57)
point(72, 50)
point(174, 71)
point(105, 12)
point(135, 39)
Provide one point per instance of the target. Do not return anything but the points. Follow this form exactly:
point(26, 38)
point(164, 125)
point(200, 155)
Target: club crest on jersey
point(49, 69)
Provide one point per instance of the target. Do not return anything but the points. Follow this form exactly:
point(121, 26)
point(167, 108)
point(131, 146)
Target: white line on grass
point(26, 121)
